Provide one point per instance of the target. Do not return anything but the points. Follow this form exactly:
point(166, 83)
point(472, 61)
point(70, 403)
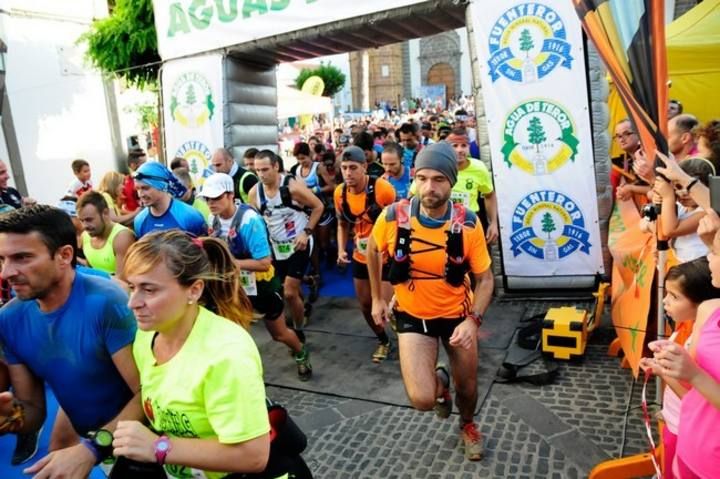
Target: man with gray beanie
point(433, 245)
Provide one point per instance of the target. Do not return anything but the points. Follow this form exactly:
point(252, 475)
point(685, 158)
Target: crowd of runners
point(132, 300)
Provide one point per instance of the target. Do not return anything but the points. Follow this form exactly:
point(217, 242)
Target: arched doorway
point(443, 74)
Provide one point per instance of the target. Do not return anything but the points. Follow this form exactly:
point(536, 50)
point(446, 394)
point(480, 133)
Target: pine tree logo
point(539, 137)
point(190, 95)
point(191, 102)
point(548, 224)
point(527, 43)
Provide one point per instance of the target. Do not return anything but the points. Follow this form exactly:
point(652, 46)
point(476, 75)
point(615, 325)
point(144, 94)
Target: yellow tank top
point(102, 258)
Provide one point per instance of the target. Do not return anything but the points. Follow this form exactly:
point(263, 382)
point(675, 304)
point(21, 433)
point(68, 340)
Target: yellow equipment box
point(565, 332)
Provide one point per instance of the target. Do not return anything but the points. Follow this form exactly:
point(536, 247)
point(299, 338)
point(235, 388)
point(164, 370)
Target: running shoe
point(25, 448)
point(304, 368)
point(381, 352)
point(472, 441)
point(443, 404)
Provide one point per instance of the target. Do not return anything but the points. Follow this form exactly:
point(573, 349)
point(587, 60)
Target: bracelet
point(691, 184)
point(477, 318)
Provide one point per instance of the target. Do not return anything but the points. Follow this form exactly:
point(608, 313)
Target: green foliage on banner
point(125, 43)
point(332, 76)
point(526, 41)
point(548, 224)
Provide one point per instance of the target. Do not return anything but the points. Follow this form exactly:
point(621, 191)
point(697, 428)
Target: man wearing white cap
point(246, 235)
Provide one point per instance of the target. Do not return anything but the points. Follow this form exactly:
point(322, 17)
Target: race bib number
point(283, 250)
point(362, 246)
point(248, 282)
point(461, 197)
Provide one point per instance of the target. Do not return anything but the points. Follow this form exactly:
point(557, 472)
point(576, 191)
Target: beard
point(433, 201)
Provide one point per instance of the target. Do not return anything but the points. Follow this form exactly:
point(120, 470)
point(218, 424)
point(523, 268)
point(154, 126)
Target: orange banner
point(634, 265)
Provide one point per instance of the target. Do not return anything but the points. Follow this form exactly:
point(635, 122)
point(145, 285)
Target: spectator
point(81, 183)
point(681, 136)
point(136, 158)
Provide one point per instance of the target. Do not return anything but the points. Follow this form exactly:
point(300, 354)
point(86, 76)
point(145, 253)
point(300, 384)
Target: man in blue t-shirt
point(395, 170)
point(159, 191)
point(68, 329)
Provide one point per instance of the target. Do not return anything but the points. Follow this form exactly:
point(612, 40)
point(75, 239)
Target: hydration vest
point(456, 266)
point(237, 248)
point(285, 196)
point(372, 209)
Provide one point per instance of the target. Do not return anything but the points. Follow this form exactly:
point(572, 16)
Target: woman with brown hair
point(111, 187)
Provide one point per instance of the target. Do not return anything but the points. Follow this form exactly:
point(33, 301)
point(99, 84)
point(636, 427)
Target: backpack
point(235, 224)
point(285, 197)
point(372, 209)
point(456, 266)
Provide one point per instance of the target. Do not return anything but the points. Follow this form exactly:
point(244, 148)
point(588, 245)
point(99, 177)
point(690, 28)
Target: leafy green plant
point(332, 76)
point(125, 43)
point(147, 114)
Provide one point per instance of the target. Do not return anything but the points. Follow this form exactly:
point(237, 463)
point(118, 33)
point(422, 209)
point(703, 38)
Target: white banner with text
point(187, 27)
point(534, 85)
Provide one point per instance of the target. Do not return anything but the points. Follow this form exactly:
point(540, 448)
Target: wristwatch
point(100, 442)
point(308, 231)
point(162, 447)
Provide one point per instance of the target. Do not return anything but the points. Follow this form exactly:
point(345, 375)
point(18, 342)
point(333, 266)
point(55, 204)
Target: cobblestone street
point(560, 430)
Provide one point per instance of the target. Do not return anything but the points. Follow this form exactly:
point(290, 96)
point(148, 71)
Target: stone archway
point(443, 48)
point(443, 74)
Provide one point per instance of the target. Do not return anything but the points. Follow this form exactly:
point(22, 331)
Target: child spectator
point(698, 441)
point(81, 183)
point(686, 286)
point(680, 214)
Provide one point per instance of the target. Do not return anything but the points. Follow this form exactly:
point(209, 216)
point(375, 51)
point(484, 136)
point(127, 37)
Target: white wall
point(58, 104)
point(415, 79)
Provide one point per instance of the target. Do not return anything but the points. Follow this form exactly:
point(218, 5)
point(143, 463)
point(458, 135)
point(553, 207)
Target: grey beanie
point(439, 156)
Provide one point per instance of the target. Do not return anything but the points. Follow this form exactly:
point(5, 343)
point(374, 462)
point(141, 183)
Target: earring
point(190, 301)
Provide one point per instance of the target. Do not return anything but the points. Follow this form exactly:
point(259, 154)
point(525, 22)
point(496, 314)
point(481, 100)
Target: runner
point(291, 212)
point(70, 330)
point(244, 179)
point(395, 171)
point(104, 242)
point(201, 374)
point(358, 202)
point(433, 245)
point(160, 193)
point(246, 234)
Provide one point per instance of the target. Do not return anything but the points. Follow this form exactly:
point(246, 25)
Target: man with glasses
point(629, 141)
point(160, 194)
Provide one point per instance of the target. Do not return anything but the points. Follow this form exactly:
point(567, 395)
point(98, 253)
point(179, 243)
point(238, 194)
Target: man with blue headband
point(159, 192)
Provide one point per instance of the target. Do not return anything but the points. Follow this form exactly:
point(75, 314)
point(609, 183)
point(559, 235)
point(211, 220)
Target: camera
point(650, 211)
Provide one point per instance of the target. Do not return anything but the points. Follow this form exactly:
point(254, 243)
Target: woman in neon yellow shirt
point(201, 375)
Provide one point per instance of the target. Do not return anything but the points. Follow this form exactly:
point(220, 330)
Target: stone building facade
point(440, 61)
point(386, 74)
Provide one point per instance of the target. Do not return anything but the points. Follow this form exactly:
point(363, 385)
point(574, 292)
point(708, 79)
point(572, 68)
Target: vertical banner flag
point(193, 111)
point(536, 101)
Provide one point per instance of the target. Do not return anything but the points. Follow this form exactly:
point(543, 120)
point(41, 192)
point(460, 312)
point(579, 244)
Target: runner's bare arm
point(484, 286)
point(260, 265)
point(252, 196)
point(135, 441)
point(122, 242)
point(343, 231)
point(305, 197)
point(490, 200)
point(380, 308)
